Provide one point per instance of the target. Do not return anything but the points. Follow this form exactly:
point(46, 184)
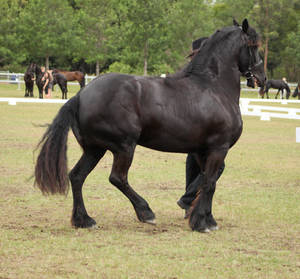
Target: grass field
point(256, 205)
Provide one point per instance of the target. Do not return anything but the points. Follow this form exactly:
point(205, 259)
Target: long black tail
point(51, 170)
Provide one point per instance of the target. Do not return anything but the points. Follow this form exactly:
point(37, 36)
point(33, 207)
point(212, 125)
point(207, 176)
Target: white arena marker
point(265, 117)
point(12, 102)
point(297, 134)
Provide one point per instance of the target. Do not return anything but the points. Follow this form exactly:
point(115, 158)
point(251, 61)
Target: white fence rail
point(268, 112)
point(17, 78)
point(264, 112)
point(14, 101)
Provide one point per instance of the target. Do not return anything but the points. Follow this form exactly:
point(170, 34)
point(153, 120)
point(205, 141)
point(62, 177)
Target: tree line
point(139, 36)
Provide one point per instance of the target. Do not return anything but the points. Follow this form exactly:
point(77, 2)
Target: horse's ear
point(245, 25)
point(235, 23)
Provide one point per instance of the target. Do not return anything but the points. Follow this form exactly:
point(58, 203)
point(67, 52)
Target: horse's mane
point(221, 42)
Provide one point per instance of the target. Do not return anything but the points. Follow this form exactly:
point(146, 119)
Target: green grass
point(257, 207)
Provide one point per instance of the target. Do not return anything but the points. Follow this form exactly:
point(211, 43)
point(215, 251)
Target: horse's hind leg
point(118, 177)
point(66, 89)
point(78, 174)
point(26, 91)
point(62, 89)
point(40, 92)
point(31, 92)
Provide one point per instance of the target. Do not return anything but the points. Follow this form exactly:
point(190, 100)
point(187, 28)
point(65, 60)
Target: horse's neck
point(218, 67)
point(181, 73)
point(38, 72)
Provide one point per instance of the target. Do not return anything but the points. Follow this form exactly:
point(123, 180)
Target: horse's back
point(275, 83)
point(59, 77)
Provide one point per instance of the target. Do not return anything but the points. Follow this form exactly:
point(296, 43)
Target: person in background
point(48, 79)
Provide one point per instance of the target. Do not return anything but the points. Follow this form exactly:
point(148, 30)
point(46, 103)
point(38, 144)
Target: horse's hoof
point(206, 230)
point(86, 223)
point(187, 214)
point(213, 228)
point(151, 222)
point(94, 227)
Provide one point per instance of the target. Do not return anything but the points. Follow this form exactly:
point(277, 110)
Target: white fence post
point(297, 134)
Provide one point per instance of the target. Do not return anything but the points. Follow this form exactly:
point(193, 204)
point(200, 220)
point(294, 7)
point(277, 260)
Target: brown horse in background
point(71, 76)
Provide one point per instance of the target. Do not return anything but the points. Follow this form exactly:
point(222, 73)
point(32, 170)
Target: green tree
point(225, 10)
point(188, 20)
point(9, 40)
point(144, 33)
point(45, 28)
point(291, 55)
point(97, 25)
point(273, 20)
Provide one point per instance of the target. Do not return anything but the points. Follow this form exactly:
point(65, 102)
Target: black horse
point(58, 78)
point(29, 80)
point(277, 84)
point(61, 80)
point(39, 80)
point(297, 91)
point(198, 113)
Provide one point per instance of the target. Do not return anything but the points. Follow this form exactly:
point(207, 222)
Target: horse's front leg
point(40, 92)
point(201, 218)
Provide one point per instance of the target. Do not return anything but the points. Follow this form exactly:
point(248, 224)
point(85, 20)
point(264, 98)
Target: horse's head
point(38, 70)
point(250, 63)
point(296, 92)
point(261, 91)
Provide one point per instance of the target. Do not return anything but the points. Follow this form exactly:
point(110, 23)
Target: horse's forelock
point(253, 37)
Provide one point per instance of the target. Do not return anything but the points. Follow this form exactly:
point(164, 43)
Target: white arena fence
point(17, 78)
point(267, 112)
point(264, 112)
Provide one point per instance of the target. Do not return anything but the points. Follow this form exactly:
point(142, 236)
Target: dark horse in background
point(58, 78)
point(297, 91)
point(198, 113)
point(71, 76)
point(61, 80)
point(277, 84)
point(29, 80)
point(39, 80)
